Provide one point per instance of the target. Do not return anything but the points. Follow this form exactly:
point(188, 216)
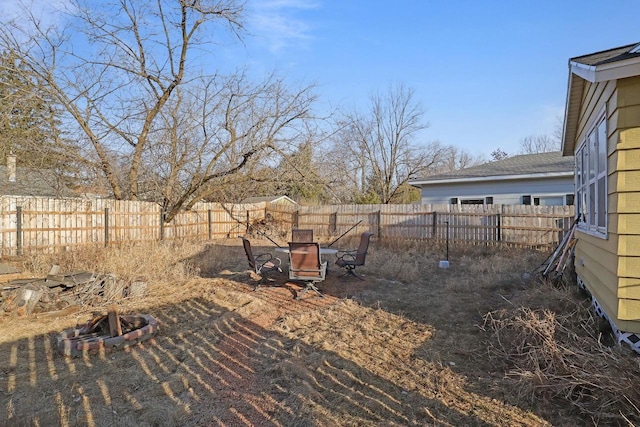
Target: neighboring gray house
point(19, 181)
point(527, 179)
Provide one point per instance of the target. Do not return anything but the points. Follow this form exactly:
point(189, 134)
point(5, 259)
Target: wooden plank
point(115, 328)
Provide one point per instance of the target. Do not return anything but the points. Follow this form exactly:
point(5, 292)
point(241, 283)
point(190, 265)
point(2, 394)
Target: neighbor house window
point(591, 179)
point(460, 201)
point(549, 200)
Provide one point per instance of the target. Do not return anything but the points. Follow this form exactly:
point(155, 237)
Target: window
point(461, 201)
point(526, 200)
point(549, 200)
point(591, 179)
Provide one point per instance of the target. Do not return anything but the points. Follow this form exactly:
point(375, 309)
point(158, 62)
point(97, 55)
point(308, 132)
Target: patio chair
point(300, 235)
point(350, 259)
point(261, 264)
point(305, 266)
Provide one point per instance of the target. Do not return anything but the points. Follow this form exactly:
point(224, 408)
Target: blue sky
point(487, 73)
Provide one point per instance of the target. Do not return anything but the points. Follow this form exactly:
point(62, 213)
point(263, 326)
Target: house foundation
point(628, 338)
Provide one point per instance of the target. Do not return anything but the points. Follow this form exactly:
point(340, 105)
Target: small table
point(323, 251)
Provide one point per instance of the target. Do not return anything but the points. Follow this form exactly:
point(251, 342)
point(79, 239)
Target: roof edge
point(492, 178)
point(605, 72)
point(575, 86)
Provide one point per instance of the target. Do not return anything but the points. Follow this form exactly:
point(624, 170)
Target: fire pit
point(108, 332)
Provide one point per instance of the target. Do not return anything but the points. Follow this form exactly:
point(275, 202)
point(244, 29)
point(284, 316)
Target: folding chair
point(261, 264)
point(350, 259)
point(305, 266)
point(300, 235)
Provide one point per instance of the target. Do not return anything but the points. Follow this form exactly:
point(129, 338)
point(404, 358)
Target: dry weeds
point(558, 357)
point(410, 345)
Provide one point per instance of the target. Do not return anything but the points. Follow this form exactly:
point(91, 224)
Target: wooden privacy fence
point(33, 224)
point(516, 225)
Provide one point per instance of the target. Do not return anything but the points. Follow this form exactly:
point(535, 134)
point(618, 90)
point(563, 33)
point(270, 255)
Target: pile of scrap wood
point(555, 265)
point(9, 272)
point(57, 291)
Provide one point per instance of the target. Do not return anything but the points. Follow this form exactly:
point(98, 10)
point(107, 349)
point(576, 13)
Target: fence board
point(537, 226)
point(51, 225)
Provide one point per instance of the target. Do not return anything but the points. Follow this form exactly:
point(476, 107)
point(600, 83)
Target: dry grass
point(558, 357)
point(412, 344)
point(155, 261)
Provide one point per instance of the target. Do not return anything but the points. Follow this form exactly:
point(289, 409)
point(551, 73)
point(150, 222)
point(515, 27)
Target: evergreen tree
point(28, 122)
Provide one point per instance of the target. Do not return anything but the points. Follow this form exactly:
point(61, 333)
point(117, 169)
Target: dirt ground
point(406, 346)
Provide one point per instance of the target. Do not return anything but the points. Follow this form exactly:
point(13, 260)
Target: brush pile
point(59, 291)
point(563, 359)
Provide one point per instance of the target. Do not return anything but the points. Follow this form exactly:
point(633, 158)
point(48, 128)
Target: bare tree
point(220, 130)
point(381, 144)
point(541, 143)
point(457, 158)
point(128, 75)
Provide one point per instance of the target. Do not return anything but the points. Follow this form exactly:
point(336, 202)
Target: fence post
point(210, 223)
point(434, 226)
point(499, 227)
point(379, 219)
point(106, 227)
point(19, 230)
point(162, 217)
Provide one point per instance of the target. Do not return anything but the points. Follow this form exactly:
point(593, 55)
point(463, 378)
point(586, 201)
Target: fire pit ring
point(91, 337)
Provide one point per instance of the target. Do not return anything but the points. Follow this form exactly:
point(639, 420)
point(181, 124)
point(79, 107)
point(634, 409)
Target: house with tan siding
point(602, 131)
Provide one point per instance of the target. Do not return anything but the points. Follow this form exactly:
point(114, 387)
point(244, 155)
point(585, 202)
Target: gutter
point(605, 72)
point(493, 178)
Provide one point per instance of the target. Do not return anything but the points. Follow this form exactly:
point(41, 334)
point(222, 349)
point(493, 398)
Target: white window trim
point(460, 199)
point(582, 193)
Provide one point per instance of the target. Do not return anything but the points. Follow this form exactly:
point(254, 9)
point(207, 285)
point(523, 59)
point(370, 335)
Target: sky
point(487, 73)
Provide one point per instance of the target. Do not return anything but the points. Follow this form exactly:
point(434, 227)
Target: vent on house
point(488, 200)
point(536, 201)
point(526, 200)
point(453, 201)
point(569, 198)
